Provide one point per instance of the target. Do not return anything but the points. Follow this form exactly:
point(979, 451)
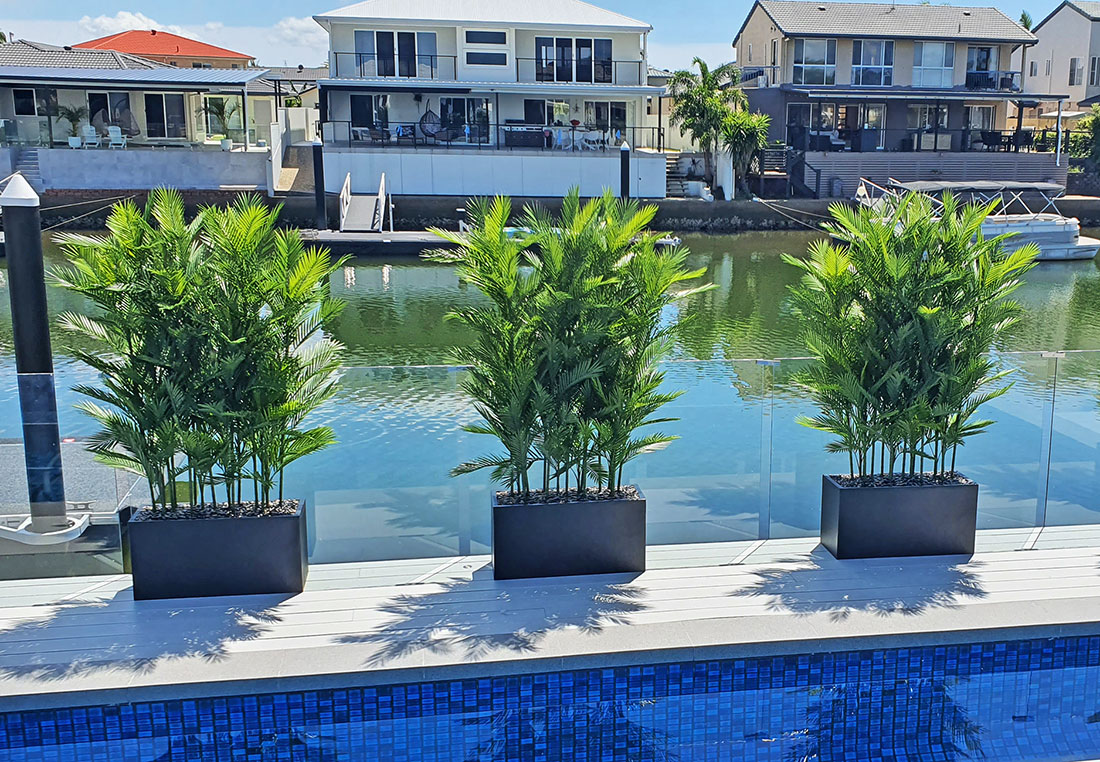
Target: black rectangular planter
point(561, 539)
point(878, 522)
point(184, 558)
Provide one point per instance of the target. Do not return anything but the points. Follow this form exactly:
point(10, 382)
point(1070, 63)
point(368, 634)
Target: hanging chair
point(430, 125)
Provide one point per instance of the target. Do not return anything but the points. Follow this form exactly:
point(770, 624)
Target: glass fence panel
point(1072, 494)
point(706, 486)
point(1008, 461)
point(383, 491)
point(798, 457)
point(93, 491)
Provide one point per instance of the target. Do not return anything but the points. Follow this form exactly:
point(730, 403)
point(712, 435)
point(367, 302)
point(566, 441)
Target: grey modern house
point(906, 91)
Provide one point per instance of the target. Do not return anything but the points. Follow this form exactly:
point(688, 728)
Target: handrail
point(512, 134)
point(380, 205)
point(352, 65)
point(600, 71)
point(345, 200)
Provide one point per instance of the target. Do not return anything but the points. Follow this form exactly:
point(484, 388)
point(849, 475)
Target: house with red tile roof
point(171, 49)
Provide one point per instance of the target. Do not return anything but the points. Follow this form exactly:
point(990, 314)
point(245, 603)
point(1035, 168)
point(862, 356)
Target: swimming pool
point(1027, 699)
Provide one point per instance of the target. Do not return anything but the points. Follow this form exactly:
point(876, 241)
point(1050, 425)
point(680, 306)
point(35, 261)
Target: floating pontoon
point(1038, 221)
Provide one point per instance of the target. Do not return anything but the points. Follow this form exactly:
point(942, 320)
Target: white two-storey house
point(474, 97)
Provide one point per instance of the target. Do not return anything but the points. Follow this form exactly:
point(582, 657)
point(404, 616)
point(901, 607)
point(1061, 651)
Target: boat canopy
point(983, 187)
point(1007, 196)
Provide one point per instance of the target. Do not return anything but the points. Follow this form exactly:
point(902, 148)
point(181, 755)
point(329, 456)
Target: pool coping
point(1053, 608)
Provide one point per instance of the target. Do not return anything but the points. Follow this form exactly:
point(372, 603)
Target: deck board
point(435, 618)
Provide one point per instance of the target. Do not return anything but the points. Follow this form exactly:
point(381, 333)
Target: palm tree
point(702, 102)
point(220, 110)
point(74, 115)
point(743, 135)
point(1025, 20)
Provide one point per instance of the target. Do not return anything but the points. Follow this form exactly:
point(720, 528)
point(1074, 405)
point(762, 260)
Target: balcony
point(998, 81)
point(761, 76)
point(511, 134)
point(347, 65)
point(372, 65)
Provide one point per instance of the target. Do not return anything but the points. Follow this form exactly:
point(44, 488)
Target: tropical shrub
point(563, 369)
point(899, 314)
point(1084, 142)
point(210, 347)
point(744, 134)
point(702, 102)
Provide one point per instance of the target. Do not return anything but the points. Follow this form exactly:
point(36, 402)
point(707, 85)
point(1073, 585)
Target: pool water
point(1017, 700)
point(742, 468)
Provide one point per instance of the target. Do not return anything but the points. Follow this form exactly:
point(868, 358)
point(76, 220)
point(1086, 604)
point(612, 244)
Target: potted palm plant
point(74, 115)
point(219, 111)
point(899, 312)
point(564, 372)
point(214, 355)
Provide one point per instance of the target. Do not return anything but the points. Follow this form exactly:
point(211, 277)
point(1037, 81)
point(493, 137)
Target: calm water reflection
point(743, 468)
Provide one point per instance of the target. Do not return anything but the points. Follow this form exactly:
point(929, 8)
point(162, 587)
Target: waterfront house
point(889, 90)
point(170, 49)
point(466, 97)
point(145, 107)
point(1066, 59)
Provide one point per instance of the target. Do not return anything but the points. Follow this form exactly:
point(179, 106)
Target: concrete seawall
point(420, 212)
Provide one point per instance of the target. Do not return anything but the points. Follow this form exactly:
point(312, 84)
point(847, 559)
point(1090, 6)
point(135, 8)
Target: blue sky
point(281, 32)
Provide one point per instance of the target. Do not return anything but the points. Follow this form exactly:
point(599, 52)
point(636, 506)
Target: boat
point(1026, 210)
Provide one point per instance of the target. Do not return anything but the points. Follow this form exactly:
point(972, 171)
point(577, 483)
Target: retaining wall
point(145, 168)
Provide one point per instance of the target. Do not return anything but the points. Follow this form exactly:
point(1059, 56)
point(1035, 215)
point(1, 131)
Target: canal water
point(743, 467)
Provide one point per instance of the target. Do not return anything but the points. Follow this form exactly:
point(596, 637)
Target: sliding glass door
point(165, 115)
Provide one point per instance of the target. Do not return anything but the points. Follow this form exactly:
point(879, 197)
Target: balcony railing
point(761, 76)
point(1003, 81)
point(923, 139)
point(587, 72)
point(357, 65)
point(491, 136)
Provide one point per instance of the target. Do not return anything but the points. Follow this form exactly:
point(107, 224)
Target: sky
point(282, 32)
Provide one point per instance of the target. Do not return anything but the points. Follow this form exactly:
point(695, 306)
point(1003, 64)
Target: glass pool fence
point(742, 469)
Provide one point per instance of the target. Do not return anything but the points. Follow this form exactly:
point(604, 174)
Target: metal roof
point(28, 53)
point(167, 77)
point(297, 73)
point(916, 93)
point(493, 13)
point(810, 18)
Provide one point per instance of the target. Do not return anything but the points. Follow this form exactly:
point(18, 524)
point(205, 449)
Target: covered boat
point(1029, 211)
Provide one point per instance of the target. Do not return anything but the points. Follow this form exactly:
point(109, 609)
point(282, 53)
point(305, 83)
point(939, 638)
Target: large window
point(568, 59)
point(41, 101)
point(465, 119)
point(165, 115)
point(933, 64)
point(927, 118)
point(538, 111)
point(1094, 71)
point(1074, 71)
point(370, 111)
point(606, 115)
point(980, 117)
point(815, 62)
point(872, 62)
point(396, 54)
point(111, 108)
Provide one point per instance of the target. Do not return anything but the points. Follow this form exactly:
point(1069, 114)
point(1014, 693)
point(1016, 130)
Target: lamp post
point(33, 356)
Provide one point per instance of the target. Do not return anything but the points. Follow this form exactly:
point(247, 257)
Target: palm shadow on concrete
point(78, 638)
point(472, 618)
point(820, 584)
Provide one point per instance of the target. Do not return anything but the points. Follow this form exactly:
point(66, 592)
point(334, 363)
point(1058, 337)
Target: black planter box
point(562, 539)
point(185, 558)
point(878, 522)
